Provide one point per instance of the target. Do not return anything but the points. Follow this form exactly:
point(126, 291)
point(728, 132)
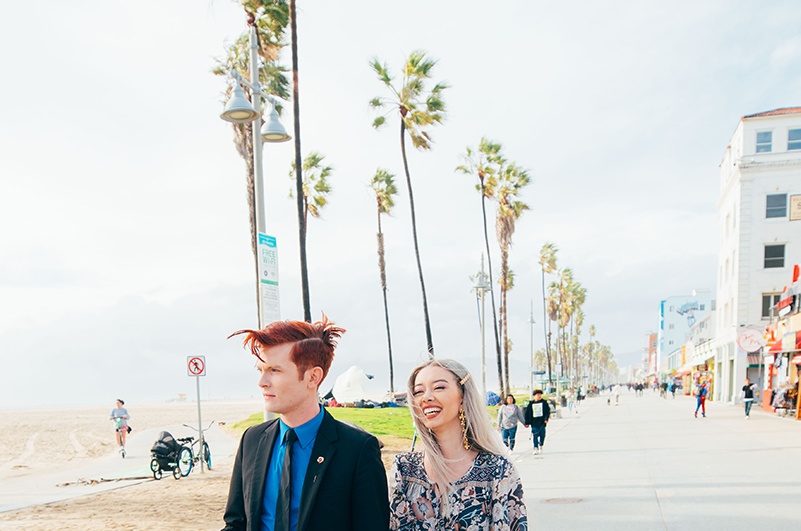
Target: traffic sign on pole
point(196, 365)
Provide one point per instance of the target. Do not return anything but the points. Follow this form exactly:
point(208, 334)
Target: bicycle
point(194, 446)
point(119, 426)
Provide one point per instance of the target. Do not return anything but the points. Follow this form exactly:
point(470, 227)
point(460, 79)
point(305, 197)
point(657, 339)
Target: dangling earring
point(463, 422)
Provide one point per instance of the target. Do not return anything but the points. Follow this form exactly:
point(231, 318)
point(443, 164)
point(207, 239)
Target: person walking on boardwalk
point(748, 397)
point(537, 414)
point(700, 398)
point(509, 415)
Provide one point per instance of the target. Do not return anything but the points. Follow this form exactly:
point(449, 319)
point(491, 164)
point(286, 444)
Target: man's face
point(283, 389)
point(537, 397)
point(119, 404)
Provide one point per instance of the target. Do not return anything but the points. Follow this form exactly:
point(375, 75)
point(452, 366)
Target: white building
point(676, 316)
point(757, 242)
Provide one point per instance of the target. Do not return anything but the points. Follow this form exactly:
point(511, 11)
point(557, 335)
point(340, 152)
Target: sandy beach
point(35, 443)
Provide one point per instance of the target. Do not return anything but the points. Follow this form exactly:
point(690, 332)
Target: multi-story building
point(651, 363)
point(676, 316)
point(758, 243)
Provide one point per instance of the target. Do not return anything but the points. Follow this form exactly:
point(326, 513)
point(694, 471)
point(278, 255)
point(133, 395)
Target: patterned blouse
point(489, 497)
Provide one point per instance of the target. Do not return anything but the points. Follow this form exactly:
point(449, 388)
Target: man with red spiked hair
point(304, 471)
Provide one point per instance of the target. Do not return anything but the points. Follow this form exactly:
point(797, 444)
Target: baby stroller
point(168, 454)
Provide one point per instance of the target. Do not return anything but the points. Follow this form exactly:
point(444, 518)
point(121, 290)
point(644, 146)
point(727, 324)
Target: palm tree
point(304, 268)
point(511, 181)
point(383, 185)
point(270, 18)
point(314, 185)
point(486, 162)
point(419, 108)
point(547, 265)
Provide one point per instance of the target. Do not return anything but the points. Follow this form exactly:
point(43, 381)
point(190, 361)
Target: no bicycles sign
point(196, 365)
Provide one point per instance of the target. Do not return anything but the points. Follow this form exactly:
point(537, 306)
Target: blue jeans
point(508, 436)
point(748, 404)
point(538, 435)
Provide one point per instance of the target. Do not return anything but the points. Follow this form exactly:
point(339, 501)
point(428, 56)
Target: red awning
point(791, 342)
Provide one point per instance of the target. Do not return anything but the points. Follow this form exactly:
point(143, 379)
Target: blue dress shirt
point(301, 453)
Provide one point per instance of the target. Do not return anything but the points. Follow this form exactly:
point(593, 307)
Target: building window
point(672, 308)
point(793, 139)
point(702, 307)
point(774, 256)
point(769, 300)
point(670, 342)
point(776, 206)
point(764, 141)
point(670, 327)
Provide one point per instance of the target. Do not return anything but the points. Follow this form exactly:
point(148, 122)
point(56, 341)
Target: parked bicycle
point(194, 446)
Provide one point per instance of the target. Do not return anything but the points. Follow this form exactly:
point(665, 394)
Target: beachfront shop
point(782, 356)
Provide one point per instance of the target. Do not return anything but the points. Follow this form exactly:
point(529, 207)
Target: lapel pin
point(320, 459)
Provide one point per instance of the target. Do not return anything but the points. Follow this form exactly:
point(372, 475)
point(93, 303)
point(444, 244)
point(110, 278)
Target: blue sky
point(124, 240)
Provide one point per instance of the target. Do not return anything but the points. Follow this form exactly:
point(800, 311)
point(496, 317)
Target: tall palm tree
point(383, 185)
point(314, 185)
point(512, 179)
point(419, 108)
point(270, 18)
point(547, 265)
point(485, 162)
point(304, 268)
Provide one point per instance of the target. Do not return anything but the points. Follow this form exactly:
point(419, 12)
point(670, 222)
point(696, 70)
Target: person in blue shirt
point(335, 479)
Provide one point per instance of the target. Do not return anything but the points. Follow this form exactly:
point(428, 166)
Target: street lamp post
point(481, 287)
point(531, 322)
point(239, 110)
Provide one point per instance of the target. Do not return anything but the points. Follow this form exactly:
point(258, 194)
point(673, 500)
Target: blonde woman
point(462, 478)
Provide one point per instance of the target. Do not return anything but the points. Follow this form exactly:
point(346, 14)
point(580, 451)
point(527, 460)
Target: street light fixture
point(240, 111)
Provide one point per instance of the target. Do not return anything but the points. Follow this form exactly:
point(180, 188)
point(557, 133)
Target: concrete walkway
point(106, 473)
point(648, 464)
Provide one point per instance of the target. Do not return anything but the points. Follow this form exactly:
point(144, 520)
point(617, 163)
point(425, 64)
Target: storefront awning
point(754, 358)
point(791, 342)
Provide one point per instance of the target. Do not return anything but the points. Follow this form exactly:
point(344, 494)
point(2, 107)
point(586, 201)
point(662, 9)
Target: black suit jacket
point(345, 488)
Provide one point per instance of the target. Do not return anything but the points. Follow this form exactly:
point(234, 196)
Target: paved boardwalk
point(648, 464)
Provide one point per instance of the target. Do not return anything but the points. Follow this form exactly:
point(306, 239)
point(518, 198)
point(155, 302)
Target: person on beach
point(509, 415)
point(748, 397)
point(120, 417)
point(332, 476)
point(537, 414)
point(462, 479)
point(700, 398)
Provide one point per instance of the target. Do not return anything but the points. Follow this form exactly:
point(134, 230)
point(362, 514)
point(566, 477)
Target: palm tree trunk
point(429, 340)
point(383, 271)
point(505, 317)
point(492, 292)
point(304, 269)
point(545, 324)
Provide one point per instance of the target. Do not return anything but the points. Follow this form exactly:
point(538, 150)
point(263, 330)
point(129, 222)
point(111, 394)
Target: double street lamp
point(239, 110)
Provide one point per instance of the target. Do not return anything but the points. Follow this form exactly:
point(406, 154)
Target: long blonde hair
point(480, 434)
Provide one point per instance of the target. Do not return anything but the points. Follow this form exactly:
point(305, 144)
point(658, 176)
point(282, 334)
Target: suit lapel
point(322, 452)
point(261, 463)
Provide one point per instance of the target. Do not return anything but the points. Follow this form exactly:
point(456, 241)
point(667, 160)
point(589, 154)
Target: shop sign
point(750, 340)
point(795, 208)
point(784, 306)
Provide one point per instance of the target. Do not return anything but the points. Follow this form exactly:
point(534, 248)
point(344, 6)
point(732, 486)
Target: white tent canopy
point(350, 385)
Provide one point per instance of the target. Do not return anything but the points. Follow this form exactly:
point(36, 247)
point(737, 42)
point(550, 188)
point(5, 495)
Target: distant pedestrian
point(617, 394)
point(120, 417)
point(537, 414)
point(673, 389)
point(748, 397)
point(509, 415)
point(700, 398)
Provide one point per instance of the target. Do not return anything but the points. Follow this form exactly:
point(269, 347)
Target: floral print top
point(489, 497)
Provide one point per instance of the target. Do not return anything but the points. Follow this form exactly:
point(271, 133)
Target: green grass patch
point(394, 421)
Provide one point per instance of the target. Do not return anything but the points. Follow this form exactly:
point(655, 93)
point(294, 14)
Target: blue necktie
point(283, 507)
